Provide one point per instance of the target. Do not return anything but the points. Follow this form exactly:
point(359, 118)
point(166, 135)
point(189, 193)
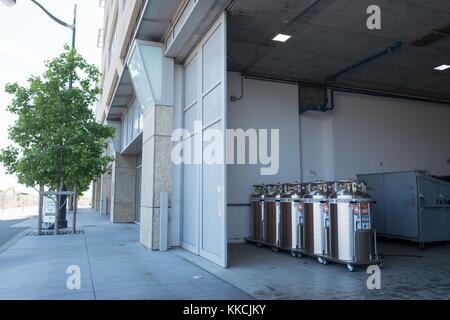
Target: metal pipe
point(271, 79)
point(324, 106)
point(396, 45)
point(388, 94)
point(338, 88)
point(234, 98)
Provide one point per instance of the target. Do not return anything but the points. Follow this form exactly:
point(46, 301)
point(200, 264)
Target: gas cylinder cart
point(292, 217)
point(273, 200)
point(349, 236)
point(314, 204)
point(258, 215)
point(266, 216)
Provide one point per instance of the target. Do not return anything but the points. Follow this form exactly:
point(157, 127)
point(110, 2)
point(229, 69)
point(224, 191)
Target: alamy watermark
point(374, 280)
point(252, 146)
point(374, 20)
point(73, 281)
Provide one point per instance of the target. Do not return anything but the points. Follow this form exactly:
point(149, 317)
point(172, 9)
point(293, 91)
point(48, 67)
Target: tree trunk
point(75, 209)
point(41, 208)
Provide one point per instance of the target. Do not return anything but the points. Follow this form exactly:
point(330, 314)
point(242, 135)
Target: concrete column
point(156, 172)
point(94, 184)
point(123, 202)
point(105, 202)
point(98, 192)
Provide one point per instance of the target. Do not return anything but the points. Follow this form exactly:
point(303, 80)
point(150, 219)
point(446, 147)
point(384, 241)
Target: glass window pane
point(141, 120)
point(153, 60)
point(124, 132)
point(190, 79)
point(190, 117)
point(212, 61)
point(212, 106)
point(213, 206)
point(130, 125)
point(140, 82)
point(136, 115)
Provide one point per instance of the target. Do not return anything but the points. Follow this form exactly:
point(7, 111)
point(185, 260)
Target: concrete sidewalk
point(113, 264)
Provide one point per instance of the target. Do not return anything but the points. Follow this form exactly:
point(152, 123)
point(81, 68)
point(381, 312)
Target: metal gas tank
point(320, 211)
point(273, 205)
point(352, 238)
point(291, 216)
point(258, 213)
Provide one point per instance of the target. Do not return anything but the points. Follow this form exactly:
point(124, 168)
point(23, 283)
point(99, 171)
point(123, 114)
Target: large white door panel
point(204, 192)
point(190, 205)
point(213, 206)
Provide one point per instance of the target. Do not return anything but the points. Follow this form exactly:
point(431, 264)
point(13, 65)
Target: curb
point(15, 239)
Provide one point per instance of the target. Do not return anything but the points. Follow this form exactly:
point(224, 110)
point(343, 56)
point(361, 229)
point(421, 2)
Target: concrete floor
point(113, 264)
point(407, 273)
point(7, 232)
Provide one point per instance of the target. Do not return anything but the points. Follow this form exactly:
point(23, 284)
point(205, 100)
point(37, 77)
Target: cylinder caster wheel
point(294, 254)
point(350, 268)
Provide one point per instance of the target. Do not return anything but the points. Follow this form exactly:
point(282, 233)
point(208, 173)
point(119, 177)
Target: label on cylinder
point(299, 210)
point(361, 216)
point(325, 211)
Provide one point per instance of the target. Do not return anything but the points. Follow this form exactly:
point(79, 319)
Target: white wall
point(265, 105)
point(402, 134)
point(364, 134)
point(369, 134)
point(316, 130)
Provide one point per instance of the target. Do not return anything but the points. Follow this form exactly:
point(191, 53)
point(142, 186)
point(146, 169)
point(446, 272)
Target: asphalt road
point(6, 232)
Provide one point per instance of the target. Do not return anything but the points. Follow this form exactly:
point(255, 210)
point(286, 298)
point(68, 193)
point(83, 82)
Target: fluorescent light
point(9, 3)
point(443, 67)
point(281, 37)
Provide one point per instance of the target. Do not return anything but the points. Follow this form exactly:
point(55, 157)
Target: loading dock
point(332, 100)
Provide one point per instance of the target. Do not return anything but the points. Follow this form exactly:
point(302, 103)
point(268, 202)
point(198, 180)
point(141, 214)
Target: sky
point(28, 37)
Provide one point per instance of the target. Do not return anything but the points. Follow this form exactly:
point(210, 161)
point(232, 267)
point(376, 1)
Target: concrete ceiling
point(331, 35)
point(156, 19)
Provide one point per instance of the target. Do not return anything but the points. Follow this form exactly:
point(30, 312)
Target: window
point(141, 119)
point(113, 44)
point(124, 131)
point(136, 116)
point(130, 125)
point(100, 38)
point(146, 70)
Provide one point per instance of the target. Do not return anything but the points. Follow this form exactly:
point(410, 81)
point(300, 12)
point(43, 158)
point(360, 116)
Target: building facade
point(179, 73)
point(146, 44)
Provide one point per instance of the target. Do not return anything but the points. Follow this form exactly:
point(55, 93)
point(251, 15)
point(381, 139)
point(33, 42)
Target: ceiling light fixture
point(281, 37)
point(443, 67)
point(9, 3)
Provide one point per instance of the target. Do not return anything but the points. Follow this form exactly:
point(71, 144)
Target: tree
point(56, 138)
